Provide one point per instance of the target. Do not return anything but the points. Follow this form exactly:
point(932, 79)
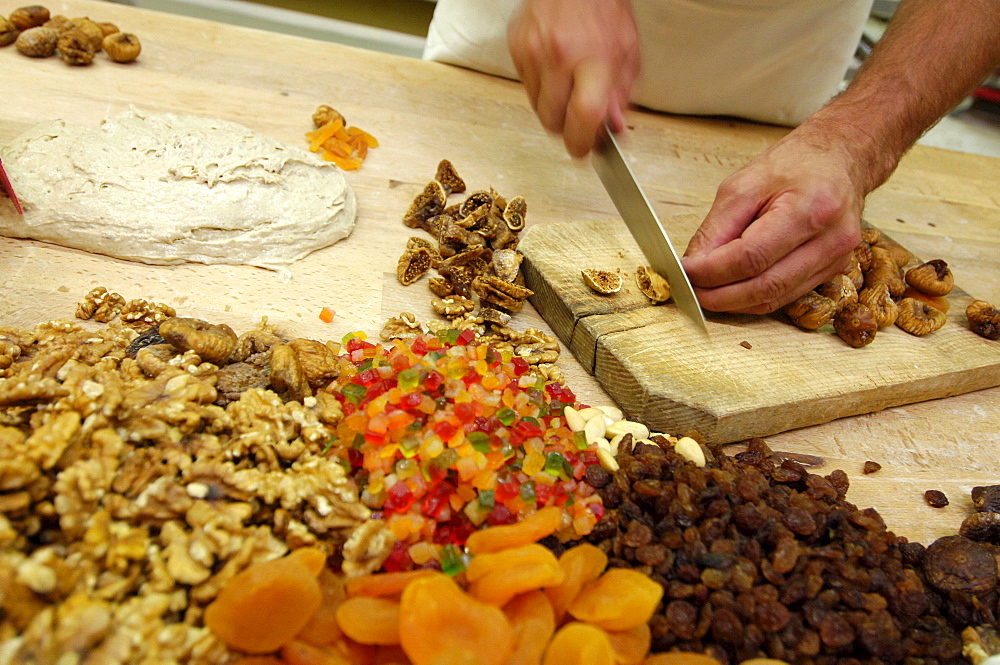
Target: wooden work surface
point(938, 204)
point(749, 375)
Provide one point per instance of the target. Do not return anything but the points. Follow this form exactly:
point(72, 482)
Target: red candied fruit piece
point(368, 378)
point(520, 365)
point(399, 558)
point(356, 458)
point(356, 343)
point(436, 500)
point(411, 400)
point(465, 412)
point(561, 496)
point(434, 380)
point(507, 491)
point(399, 498)
point(542, 494)
point(589, 457)
point(445, 429)
point(470, 378)
point(597, 509)
point(465, 337)
point(500, 515)
point(419, 345)
point(528, 429)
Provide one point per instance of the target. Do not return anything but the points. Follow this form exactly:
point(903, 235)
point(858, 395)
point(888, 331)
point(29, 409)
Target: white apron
point(772, 61)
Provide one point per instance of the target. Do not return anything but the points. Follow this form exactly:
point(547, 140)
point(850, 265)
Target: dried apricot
point(533, 622)
point(618, 600)
point(582, 564)
point(579, 644)
point(631, 646)
point(499, 576)
point(384, 584)
point(301, 653)
point(267, 604)
point(531, 529)
point(680, 658)
point(369, 620)
point(322, 628)
point(440, 624)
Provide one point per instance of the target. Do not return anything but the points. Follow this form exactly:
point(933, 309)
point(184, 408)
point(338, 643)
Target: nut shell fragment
point(918, 318)
point(652, 284)
point(602, 281)
point(984, 319)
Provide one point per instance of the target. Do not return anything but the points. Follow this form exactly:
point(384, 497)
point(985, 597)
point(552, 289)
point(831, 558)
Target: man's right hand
point(578, 60)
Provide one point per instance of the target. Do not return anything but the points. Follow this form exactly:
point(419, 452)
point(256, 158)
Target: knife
point(8, 189)
point(642, 222)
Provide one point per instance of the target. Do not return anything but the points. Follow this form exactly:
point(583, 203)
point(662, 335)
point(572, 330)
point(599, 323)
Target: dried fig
point(984, 319)
point(811, 311)
point(449, 178)
point(855, 324)
point(324, 114)
point(652, 284)
point(108, 28)
point(37, 42)
point(122, 46)
point(884, 269)
point(75, 48)
point(840, 290)
point(918, 318)
point(8, 32)
point(878, 299)
point(90, 29)
point(602, 281)
point(213, 343)
point(933, 278)
point(32, 16)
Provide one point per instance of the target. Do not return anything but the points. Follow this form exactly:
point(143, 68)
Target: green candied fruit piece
point(556, 464)
point(580, 440)
point(451, 561)
point(354, 392)
point(487, 498)
point(528, 491)
point(408, 379)
point(480, 441)
point(507, 416)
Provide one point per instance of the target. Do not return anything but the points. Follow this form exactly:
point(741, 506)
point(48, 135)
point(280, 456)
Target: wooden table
point(939, 204)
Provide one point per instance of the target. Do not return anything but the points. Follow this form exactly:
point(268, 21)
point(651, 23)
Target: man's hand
point(783, 224)
point(578, 60)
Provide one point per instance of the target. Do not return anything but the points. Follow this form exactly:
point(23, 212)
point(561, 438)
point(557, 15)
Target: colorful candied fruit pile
point(444, 434)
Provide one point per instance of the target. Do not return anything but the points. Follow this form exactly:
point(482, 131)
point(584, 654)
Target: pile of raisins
point(760, 558)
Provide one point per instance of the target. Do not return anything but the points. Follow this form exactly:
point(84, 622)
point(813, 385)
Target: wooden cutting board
point(752, 375)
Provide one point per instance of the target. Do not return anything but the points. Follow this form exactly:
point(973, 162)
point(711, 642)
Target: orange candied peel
point(347, 147)
point(326, 315)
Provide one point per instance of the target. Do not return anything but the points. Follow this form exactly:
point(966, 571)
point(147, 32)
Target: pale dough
point(166, 189)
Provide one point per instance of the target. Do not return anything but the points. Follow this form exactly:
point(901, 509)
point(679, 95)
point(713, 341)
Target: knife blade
point(644, 225)
point(8, 189)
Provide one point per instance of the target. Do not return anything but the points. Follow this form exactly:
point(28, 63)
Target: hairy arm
point(789, 219)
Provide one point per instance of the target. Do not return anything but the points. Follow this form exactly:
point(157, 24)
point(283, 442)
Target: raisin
point(935, 498)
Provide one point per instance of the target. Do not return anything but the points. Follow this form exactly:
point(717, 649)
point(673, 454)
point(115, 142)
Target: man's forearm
point(933, 54)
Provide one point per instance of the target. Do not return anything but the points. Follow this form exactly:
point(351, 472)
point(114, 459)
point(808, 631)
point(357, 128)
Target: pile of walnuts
point(139, 474)
point(473, 250)
point(883, 287)
point(36, 34)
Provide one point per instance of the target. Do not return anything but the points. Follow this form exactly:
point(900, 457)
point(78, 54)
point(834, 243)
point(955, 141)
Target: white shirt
point(772, 61)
